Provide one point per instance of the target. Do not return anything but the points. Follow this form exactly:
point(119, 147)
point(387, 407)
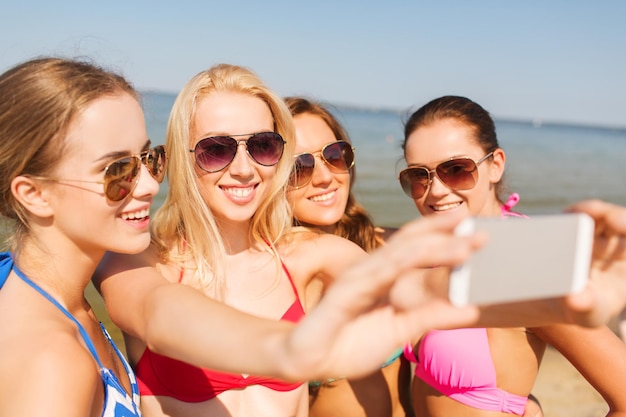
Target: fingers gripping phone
point(539, 257)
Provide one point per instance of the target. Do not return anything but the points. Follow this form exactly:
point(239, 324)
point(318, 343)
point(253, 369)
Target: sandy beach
point(563, 392)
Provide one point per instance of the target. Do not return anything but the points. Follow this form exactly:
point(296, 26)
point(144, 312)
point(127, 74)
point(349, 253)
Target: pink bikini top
point(160, 375)
point(458, 362)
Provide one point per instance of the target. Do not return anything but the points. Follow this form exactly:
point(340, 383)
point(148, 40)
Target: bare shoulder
point(318, 255)
point(309, 242)
point(48, 366)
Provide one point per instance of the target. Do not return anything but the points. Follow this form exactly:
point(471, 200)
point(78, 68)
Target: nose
point(242, 163)
point(437, 187)
point(147, 185)
point(321, 173)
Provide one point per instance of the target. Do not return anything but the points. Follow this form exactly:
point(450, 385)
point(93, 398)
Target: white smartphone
point(538, 257)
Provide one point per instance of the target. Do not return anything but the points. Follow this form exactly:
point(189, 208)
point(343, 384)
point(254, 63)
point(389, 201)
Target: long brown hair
point(356, 224)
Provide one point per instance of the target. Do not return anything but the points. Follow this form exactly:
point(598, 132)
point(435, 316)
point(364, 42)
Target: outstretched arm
point(381, 302)
point(603, 298)
point(357, 310)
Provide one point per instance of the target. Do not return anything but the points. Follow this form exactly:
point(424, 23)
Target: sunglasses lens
point(302, 170)
point(120, 178)
point(215, 153)
point(414, 182)
point(155, 160)
point(339, 155)
point(266, 148)
point(458, 174)
point(122, 175)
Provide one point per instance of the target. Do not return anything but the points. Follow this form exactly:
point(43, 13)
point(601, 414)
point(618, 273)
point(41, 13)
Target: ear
point(32, 195)
point(496, 167)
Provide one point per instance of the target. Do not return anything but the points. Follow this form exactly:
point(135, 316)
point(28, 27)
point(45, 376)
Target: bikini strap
point(511, 202)
point(6, 264)
point(58, 305)
point(293, 286)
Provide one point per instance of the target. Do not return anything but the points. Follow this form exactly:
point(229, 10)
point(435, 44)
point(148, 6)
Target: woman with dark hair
point(455, 165)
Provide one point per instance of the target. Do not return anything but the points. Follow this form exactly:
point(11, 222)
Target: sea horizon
point(400, 111)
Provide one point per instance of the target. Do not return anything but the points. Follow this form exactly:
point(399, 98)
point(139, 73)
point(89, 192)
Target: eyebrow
point(112, 156)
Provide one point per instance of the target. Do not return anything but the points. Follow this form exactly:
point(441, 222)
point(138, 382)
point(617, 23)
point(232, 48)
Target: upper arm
point(126, 283)
point(181, 322)
point(334, 255)
point(597, 353)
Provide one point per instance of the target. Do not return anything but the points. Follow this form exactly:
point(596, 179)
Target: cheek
point(296, 196)
point(344, 182)
point(478, 197)
point(267, 173)
point(419, 204)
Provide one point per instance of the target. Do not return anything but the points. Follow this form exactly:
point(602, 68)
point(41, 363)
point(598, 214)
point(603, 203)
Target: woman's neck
point(492, 208)
point(62, 271)
point(236, 235)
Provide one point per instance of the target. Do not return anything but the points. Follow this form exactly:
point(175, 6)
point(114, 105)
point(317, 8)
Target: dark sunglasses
point(217, 152)
point(457, 174)
point(339, 156)
point(122, 175)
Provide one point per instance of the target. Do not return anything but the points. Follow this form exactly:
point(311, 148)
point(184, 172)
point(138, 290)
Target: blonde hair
point(185, 225)
point(40, 100)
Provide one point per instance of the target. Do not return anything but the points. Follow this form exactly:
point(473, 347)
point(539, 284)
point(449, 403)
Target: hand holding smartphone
point(539, 257)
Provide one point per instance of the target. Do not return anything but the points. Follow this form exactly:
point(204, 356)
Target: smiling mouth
point(239, 192)
point(444, 207)
point(322, 197)
point(136, 215)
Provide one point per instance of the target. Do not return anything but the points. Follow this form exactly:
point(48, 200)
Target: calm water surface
point(550, 166)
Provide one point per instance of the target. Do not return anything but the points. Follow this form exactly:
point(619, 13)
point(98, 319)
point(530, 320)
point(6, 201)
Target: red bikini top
point(160, 375)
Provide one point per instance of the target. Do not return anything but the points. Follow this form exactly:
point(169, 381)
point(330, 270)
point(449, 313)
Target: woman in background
point(322, 199)
point(455, 165)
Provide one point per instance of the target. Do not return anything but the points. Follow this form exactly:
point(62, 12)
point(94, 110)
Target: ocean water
point(549, 165)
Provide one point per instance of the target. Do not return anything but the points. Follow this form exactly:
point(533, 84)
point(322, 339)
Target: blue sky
point(552, 60)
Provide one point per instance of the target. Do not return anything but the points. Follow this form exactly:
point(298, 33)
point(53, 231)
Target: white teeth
point(136, 215)
point(445, 207)
point(323, 197)
point(239, 192)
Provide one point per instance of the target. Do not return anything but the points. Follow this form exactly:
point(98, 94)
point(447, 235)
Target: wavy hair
point(356, 223)
point(185, 225)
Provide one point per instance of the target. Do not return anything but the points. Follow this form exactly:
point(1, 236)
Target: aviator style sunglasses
point(217, 152)
point(122, 175)
point(457, 174)
point(339, 156)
